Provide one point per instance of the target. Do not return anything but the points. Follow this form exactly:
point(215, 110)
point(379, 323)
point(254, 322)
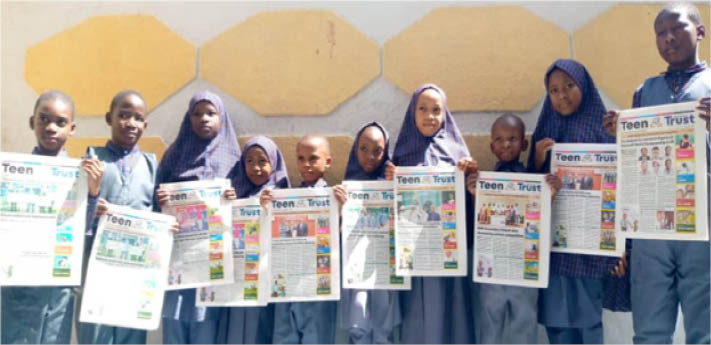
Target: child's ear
point(524, 145)
point(108, 118)
point(491, 146)
point(328, 161)
point(700, 32)
point(32, 122)
point(145, 124)
point(74, 128)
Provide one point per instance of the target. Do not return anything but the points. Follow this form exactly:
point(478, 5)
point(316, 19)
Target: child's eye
point(44, 118)
point(61, 123)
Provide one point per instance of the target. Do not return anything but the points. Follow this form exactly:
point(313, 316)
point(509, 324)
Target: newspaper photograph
point(202, 250)
point(512, 229)
point(430, 222)
point(251, 268)
point(128, 269)
point(368, 231)
point(661, 169)
point(304, 254)
point(42, 220)
point(583, 214)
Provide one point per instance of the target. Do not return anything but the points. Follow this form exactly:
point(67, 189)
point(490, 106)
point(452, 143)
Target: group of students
point(664, 274)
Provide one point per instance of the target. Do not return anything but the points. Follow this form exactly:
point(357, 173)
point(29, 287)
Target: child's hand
point(265, 198)
point(175, 228)
point(542, 147)
point(230, 194)
point(704, 108)
point(555, 183)
point(94, 169)
point(621, 268)
point(471, 182)
point(341, 195)
point(389, 171)
point(609, 122)
point(162, 197)
point(101, 207)
point(468, 165)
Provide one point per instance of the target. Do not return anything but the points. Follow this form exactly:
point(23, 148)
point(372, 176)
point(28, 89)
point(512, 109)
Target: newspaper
point(583, 215)
point(128, 269)
point(369, 237)
point(512, 229)
point(42, 220)
point(662, 171)
point(430, 221)
point(251, 267)
point(202, 254)
point(305, 246)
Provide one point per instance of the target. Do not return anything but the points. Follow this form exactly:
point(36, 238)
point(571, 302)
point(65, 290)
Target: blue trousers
point(572, 335)
point(664, 275)
point(190, 332)
point(507, 315)
point(305, 322)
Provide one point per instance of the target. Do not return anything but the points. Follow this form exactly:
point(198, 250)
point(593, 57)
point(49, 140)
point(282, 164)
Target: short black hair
point(123, 94)
point(53, 95)
point(512, 120)
point(682, 6)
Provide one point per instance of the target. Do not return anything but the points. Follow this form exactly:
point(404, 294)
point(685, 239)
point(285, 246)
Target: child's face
point(677, 38)
point(205, 120)
point(429, 112)
point(257, 165)
point(312, 160)
point(371, 149)
point(52, 124)
point(507, 142)
point(127, 121)
point(564, 93)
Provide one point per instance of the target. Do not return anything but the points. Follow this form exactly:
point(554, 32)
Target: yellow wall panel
point(485, 58)
point(291, 62)
point(619, 48)
point(94, 60)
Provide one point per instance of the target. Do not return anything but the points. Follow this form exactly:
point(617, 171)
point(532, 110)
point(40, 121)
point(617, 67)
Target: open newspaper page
point(42, 220)
point(430, 221)
point(250, 261)
point(202, 250)
point(661, 169)
point(305, 247)
point(128, 269)
point(369, 237)
point(583, 215)
point(512, 231)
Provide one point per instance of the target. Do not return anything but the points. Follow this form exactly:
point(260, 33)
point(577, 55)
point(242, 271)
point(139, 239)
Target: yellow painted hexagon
point(485, 58)
point(291, 62)
point(76, 147)
point(619, 48)
point(94, 60)
point(340, 150)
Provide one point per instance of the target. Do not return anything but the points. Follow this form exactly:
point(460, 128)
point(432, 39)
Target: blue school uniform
point(129, 180)
point(370, 316)
point(253, 325)
point(305, 322)
point(436, 309)
point(37, 315)
point(190, 158)
point(507, 314)
point(667, 273)
point(571, 306)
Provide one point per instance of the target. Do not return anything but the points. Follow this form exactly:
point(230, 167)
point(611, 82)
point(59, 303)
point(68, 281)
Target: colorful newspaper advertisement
point(42, 220)
point(661, 169)
point(305, 246)
point(368, 229)
point(583, 215)
point(202, 250)
point(128, 268)
point(251, 267)
point(512, 229)
point(430, 222)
